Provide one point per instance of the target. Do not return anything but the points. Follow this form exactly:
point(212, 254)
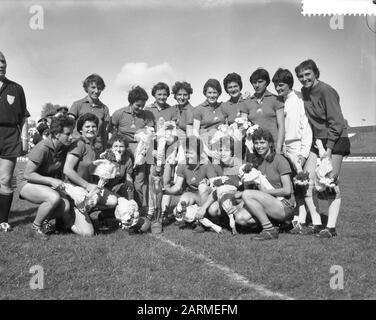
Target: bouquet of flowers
point(324, 178)
point(248, 173)
point(240, 127)
point(182, 212)
point(248, 136)
point(127, 213)
point(83, 200)
point(107, 167)
point(145, 139)
point(223, 130)
point(165, 136)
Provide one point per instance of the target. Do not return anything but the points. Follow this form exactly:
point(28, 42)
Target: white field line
point(231, 274)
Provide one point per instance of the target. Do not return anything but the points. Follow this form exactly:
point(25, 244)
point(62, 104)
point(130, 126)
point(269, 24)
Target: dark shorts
point(341, 147)
point(10, 142)
point(288, 206)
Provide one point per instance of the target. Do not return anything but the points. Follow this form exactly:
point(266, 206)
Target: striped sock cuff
point(267, 226)
point(35, 226)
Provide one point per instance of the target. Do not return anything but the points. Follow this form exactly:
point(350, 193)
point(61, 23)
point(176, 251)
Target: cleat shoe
point(5, 227)
point(48, 228)
point(297, 229)
point(326, 233)
point(267, 235)
point(38, 233)
point(312, 229)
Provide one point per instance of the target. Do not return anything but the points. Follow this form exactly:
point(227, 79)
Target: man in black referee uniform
point(13, 138)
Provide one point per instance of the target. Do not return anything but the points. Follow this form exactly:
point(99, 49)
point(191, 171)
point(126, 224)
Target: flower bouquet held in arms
point(129, 217)
point(240, 127)
point(166, 136)
point(248, 174)
point(324, 178)
point(248, 136)
point(105, 168)
point(183, 212)
point(145, 139)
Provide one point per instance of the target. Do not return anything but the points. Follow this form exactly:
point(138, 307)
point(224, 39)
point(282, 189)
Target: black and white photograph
point(187, 155)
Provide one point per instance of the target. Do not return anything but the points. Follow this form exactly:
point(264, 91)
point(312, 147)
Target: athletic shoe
point(297, 229)
point(326, 233)
point(38, 233)
point(47, 227)
point(267, 235)
point(312, 229)
point(5, 227)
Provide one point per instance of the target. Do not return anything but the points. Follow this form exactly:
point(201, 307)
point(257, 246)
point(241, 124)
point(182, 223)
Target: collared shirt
point(193, 177)
point(231, 110)
point(167, 113)
point(84, 105)
point(86, 154)
point(127, 123)
point(263, 113)
point(324, 113)
point(210, 117)
point(12, 104)
point(49, 160)
point(185, 116)
point(297, 128)
point(274, 170)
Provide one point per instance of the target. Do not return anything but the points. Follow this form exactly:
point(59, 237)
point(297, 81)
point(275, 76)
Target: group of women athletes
point(291, 125)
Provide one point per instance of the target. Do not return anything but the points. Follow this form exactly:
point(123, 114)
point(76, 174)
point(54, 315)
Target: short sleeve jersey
point(84, 105)
point(50, 161)
point(184, 116)
point(12, 104)
point(275, 169)
point(193, 176)
point(264, 113)
point(210, 117)
point(231, 110)
point(126, 167)
point(86, 154)
point(167, 113)
point(127, 123)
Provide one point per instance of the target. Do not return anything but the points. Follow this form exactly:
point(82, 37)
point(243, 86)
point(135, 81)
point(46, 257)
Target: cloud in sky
point(139, 73)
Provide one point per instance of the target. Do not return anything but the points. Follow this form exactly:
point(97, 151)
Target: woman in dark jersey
point(43, 175)
point(321, 103)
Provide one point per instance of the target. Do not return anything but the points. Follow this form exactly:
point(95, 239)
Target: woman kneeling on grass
point(43, 173)
point(190, 175)
point(77, 170)
point(276, 204)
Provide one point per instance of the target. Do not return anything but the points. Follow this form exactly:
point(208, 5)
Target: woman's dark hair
point(86, 117)
point(232, 77)
point(117, 137)
point(265, 134)
point(310, 65)
point(212, 83)
point(284, 76)
point(59, 123)
point(181, 86)
point(160, 86)
point(260, 74)
point(97, 79)
point(137, 93)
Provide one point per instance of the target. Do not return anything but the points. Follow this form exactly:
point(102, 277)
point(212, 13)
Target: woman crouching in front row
point(43, 176)
point(276, 204)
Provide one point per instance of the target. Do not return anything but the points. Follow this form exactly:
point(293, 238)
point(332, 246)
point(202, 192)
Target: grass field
point(181, 265)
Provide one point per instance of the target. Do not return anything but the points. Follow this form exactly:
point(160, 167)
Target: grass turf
point(122, 266)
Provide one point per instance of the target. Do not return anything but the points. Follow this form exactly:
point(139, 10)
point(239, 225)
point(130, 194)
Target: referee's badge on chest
point(10, 98)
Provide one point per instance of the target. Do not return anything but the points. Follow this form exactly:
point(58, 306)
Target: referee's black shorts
point(10, 142)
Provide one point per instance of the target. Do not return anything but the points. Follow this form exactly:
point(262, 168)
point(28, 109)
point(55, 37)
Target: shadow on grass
point(19, 217)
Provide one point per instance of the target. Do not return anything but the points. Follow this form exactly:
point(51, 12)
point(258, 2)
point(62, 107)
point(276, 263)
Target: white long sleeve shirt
point(297, 127)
